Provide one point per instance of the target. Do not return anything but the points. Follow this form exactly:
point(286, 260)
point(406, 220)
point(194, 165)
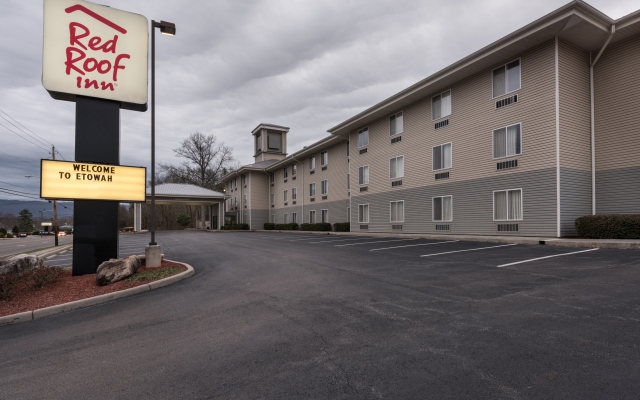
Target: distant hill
point(14, 207)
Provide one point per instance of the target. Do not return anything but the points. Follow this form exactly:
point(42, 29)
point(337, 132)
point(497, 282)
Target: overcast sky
point(305, 64)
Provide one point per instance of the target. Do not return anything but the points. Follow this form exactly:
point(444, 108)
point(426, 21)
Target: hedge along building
point(520, 137)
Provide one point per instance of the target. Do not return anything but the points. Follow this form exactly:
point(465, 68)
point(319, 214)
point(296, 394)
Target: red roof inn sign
point(95, 51)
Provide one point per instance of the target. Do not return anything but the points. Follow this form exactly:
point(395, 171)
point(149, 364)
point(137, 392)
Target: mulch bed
point(68, 288)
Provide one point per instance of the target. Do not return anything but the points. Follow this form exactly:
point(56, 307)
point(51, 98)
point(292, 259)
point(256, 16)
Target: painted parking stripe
point(413, 245)
point(381, 241)
point(461, 251)
point(542, 258)
point(342, 240)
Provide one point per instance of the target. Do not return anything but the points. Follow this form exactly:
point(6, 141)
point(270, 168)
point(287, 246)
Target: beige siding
point(617, 105)
point(258, 189)
point(473, 119)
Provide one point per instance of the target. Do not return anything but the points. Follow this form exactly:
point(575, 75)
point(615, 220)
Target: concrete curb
point(563, 242)
point(61, 308)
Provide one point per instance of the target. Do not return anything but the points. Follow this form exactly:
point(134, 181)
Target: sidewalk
point(630, 244)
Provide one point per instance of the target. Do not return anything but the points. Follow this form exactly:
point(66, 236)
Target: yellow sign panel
point(89, 181)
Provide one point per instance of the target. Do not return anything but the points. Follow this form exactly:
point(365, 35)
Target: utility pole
point(55, 204)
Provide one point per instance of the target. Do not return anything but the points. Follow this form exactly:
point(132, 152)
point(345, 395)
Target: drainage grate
point(507, 227)
point(507, 101)
point(396, 183)
point(442, 175)
point(442, 227)
point(442, 124)
point(506, 164)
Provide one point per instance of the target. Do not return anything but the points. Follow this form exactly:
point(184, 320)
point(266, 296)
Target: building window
point(442, 208)
point(325, 215)
point(294, 193)
point(396, 167)
point(507, 205)
point(294, 169)
point(272, 177)
point(312, 217)
point(258, 143)
point(506, 78)
point(285, 195)
point(442, 156)
point(363, 213)
point(243, 179)
point(363, 175)
point(274, 141)
point(507, 141)
point(312, 189)
point(441, 105)
point(397, 211)
point(312, 163)
point(235, 201)
point(285, 171)
point(285, 218)
point(396, 124)
point(294, 218)
point(244, 200)
point(273, 198)
point(273, 218)
point(324, 186)
point(324, 157)
point(235, 182)
point(363, 137)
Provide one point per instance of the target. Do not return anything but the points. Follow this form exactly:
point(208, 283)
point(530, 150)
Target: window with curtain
point(312, 217)
point(324, 186)
point(507, 141)
point(363, 175)
point(294, 218)
point(286, 172)
point(363, 213)
point(363, 137)
point(294, 193)
point(324, 157)
point(312, 189)
point(294, 169)
point(441, 105)
point(273, 198)
point(397, 211)
point(506, 78)
point(312, 163)
point(396, 167)
point(396, 124)
point(507, 205)
point(443, 209)
point(442, 156)
point(285, 218)
point(286, 192)
point(325, 215)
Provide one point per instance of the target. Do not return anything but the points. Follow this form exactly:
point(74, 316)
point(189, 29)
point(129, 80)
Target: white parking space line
point(342, 240)
point(542, 258)
point(461, 251)
point(61, 259)
point(413, 245)
point(381, 241)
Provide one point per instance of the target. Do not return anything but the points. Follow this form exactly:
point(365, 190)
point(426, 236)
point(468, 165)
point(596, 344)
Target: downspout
point(593, 122)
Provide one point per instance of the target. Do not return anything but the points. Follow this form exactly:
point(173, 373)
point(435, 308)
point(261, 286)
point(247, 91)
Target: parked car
point(62, 233)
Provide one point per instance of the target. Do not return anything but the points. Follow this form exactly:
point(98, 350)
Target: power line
point(19, 195)
point(16, 185)
point(19, 159)
point(35, 134)
point(18, 191)
point(33, 143)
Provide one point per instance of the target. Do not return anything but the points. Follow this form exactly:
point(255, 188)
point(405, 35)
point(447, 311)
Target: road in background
point(24, 244)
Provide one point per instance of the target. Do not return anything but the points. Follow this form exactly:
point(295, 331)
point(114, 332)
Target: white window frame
point(505, 77)
point(285, 172)
point(493, 142)
point(285, 195)
point(324, 187)
point(400, 113)
point(275, 134)
point(294, 169)
point(493, 199)
point(361, 130)
point(312, 189)
point(322, 216)
point(235, 201)
point(245, 199)
point(366, 181)
point(440, 94)
point(324, 158)
point(312, 162)
point(294, 218)
point(273, 198)
point(294, 193)
point(273, 218)
point(433, 212)
point(312, 212)
point(285, 218)
point(396, 158)
point(361, 220)
point(441, 158)
point(391, 205)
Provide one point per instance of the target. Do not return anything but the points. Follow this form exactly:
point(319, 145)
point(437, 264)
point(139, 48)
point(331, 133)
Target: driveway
point(290, 316)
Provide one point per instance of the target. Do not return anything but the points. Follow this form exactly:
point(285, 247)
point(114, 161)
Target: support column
point(95, 236)
point(137, 217)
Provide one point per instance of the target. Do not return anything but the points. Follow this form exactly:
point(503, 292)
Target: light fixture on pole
point(152, 252)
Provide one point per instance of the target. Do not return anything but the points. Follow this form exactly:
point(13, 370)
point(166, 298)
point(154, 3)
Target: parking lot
point(292, 315)
point(128, 245)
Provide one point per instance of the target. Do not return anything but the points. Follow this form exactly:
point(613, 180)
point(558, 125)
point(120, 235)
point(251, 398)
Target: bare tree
point(207, 159)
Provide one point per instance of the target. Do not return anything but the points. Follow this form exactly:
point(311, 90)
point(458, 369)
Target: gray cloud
point(307, 65)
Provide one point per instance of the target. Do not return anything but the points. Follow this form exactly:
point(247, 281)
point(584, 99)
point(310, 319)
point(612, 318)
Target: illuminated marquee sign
point(95, 51)
point(67, 180)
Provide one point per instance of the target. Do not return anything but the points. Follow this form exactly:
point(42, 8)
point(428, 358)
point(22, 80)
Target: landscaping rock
point(115, 270)
point(20, 264)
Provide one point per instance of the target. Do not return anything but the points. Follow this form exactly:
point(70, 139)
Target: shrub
point(8, 284)
point(184, 220)
point(34, 233)
point(341, 227)
point(611, 226)
point(8, 235)
point(287, 227)
point(322, 226)
point(269, 226)
point(236, 227)
point(43, 276)
point(3, 231)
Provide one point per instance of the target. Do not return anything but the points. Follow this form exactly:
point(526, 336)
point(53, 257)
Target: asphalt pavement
point(26, 244)
point(284, 316)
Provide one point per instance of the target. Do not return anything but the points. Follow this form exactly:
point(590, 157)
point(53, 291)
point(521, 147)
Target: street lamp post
point(153, 254)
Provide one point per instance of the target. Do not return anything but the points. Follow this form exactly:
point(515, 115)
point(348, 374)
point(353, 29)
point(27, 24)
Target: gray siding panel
point(575, 198)
point(618, 191)
point(472, 205)
point(337, 211)
point(258, 218)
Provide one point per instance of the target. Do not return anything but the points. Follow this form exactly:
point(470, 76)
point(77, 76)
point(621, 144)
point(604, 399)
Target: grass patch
point(154, 274)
